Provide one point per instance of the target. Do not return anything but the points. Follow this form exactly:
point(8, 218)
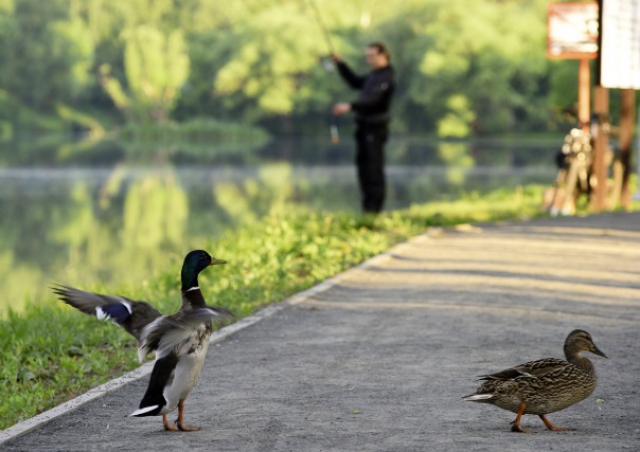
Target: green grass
point(51, 352)
point(197, 130)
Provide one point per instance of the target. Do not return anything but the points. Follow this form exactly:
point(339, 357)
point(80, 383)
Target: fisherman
point(372, 119)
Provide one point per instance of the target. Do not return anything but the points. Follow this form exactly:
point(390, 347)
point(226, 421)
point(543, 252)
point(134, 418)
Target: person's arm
point(353, 80)
point(368, 101)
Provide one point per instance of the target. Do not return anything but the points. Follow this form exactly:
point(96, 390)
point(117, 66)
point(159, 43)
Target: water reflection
point(74, 216)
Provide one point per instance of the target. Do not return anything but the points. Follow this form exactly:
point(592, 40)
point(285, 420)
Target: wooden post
point(584, 95)
point(601, 110)
point(636, 197)
point(627, 98)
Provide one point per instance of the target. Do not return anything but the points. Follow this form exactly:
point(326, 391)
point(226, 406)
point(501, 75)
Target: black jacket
point(374, 102)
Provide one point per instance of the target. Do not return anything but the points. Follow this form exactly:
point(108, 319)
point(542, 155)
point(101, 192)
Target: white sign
point(620, 52)
point(572, 30)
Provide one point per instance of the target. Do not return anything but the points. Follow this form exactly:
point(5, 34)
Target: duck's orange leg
point(516, 427)
point(167, 424)
point(180, 422)
point(550, 426)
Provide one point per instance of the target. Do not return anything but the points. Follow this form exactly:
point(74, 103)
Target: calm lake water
point(76, 213)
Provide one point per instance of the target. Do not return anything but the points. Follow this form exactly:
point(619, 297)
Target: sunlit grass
point(51, 352)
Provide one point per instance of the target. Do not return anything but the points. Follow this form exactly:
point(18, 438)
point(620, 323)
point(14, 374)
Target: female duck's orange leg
point(180, 423)
point(167, 425)
point(550, 426)
point(516, 424)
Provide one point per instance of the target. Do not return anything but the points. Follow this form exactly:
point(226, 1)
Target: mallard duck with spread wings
point(180, 341)
point(543, 386)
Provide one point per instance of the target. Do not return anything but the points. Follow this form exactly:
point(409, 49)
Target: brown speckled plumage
point(543, 386)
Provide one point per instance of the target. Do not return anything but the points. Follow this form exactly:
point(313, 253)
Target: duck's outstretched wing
point(165, 333)
point(132, 315)
point(536, 368)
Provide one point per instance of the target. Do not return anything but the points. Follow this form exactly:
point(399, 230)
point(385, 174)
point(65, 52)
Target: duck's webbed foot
point(180, 422)
point(516, 427)
point(167, 425)
point(550, 426)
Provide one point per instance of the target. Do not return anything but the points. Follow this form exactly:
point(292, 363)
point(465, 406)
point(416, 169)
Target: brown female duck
point(543, 386)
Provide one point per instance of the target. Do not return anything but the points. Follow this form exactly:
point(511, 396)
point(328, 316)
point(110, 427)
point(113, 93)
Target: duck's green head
point(580, 341)
point(194, 263)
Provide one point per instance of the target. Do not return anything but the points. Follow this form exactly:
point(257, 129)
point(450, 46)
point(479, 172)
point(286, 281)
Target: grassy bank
point(199, 130)
point(51, 353)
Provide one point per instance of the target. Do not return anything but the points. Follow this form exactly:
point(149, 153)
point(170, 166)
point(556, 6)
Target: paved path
point(400, 341)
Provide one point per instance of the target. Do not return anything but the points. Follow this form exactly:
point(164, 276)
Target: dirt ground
point(380, 361)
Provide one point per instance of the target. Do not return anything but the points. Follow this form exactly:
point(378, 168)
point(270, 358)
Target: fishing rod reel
point(328, 64)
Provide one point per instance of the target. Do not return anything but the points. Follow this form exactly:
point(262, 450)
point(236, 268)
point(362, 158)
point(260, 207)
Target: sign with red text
point(572, 30)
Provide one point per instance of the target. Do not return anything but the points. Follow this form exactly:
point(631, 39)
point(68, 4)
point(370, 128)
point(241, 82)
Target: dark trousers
point(370, 139)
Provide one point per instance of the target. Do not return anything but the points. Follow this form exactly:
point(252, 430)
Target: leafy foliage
point(463, 67)
point(156, 66)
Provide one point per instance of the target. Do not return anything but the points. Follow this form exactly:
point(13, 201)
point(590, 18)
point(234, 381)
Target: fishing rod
point(333, 128)
point(323, 27)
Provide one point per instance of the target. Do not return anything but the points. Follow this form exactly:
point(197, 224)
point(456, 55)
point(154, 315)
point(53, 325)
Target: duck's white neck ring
point(192, 288)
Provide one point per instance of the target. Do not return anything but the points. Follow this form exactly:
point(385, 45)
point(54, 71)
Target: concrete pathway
point(380, 360)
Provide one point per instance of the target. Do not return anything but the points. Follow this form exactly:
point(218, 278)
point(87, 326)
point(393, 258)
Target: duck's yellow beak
point(215, 261)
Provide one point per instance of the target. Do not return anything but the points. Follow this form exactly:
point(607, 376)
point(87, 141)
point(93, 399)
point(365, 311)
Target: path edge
point(145, 369)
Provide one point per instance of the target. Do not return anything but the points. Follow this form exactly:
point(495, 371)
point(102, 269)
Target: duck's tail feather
point(478, 397)
point(161, 377)
point(152, 410)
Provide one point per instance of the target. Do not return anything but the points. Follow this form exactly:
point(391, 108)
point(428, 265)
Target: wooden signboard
point(572, 30)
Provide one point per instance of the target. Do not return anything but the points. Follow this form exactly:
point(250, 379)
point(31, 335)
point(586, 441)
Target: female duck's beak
point(598, 352)
point(215, 261)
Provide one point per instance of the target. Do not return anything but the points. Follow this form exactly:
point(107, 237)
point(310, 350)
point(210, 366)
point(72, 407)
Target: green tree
point(45, 53)
point(463, 67)
point(470, 56)
point(156, 67)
